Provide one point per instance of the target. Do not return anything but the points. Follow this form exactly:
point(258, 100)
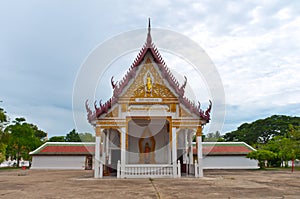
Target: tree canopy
point(22, 139)
point(276, 138)
point(87, 137)
point(3, 136)
point(262, 130)
point(57, 139)
point(213, 137)
point(72, 136)
point(18, 138)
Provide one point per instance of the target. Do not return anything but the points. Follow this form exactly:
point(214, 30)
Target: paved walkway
point(215, 184)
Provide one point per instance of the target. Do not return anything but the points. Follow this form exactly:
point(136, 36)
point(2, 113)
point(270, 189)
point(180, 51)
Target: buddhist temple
point(147, 127)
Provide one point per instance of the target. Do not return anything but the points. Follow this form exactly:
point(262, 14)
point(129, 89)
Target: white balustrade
point(149, 170)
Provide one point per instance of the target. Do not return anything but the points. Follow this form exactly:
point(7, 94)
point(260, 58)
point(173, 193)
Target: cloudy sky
point(255, 46)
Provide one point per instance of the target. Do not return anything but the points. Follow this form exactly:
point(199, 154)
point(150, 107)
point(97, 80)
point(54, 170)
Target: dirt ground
point(215, 184)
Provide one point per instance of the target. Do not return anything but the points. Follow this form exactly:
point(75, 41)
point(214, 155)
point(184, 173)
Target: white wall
point(58, 162)
point(229, 162)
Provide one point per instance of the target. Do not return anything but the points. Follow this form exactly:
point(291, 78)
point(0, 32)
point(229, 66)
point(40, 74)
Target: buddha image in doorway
point(147, 148)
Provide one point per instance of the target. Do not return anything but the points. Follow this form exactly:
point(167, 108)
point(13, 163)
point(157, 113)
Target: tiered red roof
point(118, 88)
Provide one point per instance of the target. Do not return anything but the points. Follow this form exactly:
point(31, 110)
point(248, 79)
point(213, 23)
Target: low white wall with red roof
point(229, 162)
point(58, 162)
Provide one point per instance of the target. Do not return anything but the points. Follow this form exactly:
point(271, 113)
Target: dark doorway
point(88, 162)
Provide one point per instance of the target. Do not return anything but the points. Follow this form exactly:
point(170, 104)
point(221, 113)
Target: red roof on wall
point(88, 148)
point(65, 148)
point(225, 148)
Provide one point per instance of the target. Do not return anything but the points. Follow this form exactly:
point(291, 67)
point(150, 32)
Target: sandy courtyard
point(215, 184)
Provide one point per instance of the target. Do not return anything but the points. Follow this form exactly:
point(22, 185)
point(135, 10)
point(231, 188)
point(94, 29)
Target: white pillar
point(98, 165)
point(200, 156)
point(97, 157)
point(104, 149)
point(170, 151)
point(174, 152)
point(123, 151)
point(190, 151)
point(107, 146)
point(185, 155)
point(191, 154)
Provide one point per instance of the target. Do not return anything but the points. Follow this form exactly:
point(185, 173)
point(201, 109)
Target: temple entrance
point(147, 147)
point(148, 141)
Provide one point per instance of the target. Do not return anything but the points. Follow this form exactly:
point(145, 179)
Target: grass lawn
point(10, 168)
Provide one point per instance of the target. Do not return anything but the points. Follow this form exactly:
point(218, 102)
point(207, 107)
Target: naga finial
point(112, 82)
point(184, 84)
point(207, 112)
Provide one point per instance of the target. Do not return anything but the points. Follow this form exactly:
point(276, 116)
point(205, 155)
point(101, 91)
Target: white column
point(170, 150)
point(98, 165)
point(104, 149)
point(123, 151)
point(185, 156)
point(191, 154)
point(200, 156)
point(174, 152)
point(107, 147)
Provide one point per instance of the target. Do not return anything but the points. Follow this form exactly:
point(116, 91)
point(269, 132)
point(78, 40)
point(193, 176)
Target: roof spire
point(149, 39)
point(149, 25)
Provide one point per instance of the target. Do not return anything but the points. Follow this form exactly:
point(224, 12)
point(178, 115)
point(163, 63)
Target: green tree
point(72, 136)
point(3, 135)
point(262, 130)
point(57, 139)
point(87, 137)
point(38, 133)
point(286, 147)
point(21, 140)
point(2, 152)
point(262, 156)
point(294, 134)
point(3, 119)
point(213, 137)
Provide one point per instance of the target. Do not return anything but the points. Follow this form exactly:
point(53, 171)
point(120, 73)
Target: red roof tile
point(51, 148)
point(223, 149)
point(68, 149)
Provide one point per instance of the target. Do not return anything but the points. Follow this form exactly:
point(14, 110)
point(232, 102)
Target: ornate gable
point(148, 83)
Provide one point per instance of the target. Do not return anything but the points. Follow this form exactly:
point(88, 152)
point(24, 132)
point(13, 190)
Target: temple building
point(146, 128)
